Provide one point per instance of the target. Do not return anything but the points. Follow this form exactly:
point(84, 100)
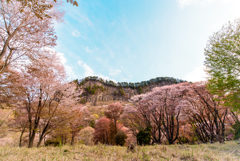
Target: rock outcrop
point(95, 90)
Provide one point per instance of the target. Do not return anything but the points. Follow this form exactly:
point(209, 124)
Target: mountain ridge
point(95, 90)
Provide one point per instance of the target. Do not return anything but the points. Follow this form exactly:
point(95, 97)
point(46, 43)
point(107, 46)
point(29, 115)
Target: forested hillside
point(95, 90)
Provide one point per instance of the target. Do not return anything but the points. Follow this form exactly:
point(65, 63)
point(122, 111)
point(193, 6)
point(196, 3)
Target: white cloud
point(76, 33)
point(69, 69)
point(112, 54)
point(70, 72)
point(80, 62)
point(88, 50)
point(61, 57)
point(185, 3)
point(114, 72)
point(103, 77)
point(98, 59)
point(80, 17)
point(87, 70)
point(196, 75)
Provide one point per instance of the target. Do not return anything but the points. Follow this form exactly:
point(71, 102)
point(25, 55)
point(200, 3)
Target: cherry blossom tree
point(101, 133)
point(206, 113)
point(40, 8)
point(43, 100)
point(19, 123)
point(23, 34)
point(133, 119)
point(167, 106)
point(160, 110)
point(113, 113)
point(76, 123)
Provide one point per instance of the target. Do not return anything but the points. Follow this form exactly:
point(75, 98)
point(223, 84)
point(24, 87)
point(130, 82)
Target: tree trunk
point(62, 139)
point(31, 139)
point(40, 141)
point(65, 137)
point(72, 140)
point(20, 140)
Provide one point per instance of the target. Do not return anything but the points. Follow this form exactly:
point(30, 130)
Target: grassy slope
point(228, 151)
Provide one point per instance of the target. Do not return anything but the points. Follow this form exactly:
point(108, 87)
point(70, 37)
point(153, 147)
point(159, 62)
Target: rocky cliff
point(95, 90)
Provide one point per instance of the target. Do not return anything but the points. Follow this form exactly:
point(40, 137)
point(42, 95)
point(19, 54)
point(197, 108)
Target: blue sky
point(136, 40)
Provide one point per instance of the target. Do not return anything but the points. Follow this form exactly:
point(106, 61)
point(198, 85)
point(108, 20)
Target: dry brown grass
point(228, 151)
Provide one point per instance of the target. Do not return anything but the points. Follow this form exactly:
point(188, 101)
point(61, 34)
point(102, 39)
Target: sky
point(137, 40)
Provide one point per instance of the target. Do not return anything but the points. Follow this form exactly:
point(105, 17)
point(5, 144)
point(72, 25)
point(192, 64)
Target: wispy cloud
point(184, 3)
point(88, 50)
point(70, 72)
point(196, 75)
point(114, 72)
point(87, 70)
point(112, 54)
point(80, 17)
point(98, 59)
point(76, 33)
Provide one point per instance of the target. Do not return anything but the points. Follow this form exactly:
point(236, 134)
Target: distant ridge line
point(128, 84)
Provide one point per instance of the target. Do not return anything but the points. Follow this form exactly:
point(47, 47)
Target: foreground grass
point(228, 151)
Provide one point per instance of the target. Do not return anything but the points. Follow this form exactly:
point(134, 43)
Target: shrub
point(144, 136)
point(140, 90)
point(183, 140)
point(75, 81)
point(86, 135)
point(236, 131)
point(92, 123)
point(229, 137)
point(121, 92)
point(82, 101)
point(119, 138)
point(52, 143)
point(82, 83)
point(92, 90)
point(102, 88)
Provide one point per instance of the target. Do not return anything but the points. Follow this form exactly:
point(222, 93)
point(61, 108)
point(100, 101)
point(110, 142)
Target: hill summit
point(95, 90)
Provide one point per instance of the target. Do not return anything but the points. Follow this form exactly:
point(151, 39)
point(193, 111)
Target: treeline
point(81, 82)
point(181, 113)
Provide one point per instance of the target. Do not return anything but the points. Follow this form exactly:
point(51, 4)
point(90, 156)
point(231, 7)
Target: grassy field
point(228, 151)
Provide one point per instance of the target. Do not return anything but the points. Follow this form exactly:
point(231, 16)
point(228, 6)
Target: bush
point(140, 90)
point(119, 138)
point(229, 137)
point(52, 143)
point(92, 90)
point(121, 92)
point(236, 131)
point(82, 101)
point(183, 140)
point(144, 136)
point(86, 135)
point(92, 123)
point(82, 83)
point(75, 81)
